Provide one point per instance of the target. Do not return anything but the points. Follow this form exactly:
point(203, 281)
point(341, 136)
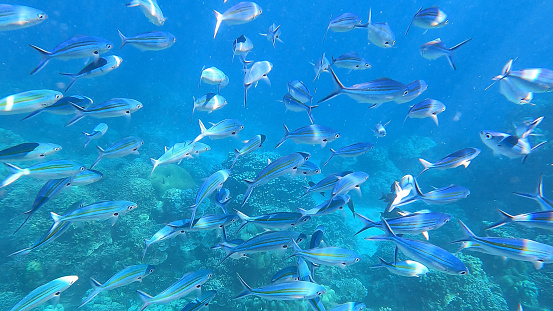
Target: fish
point(435, 49)
point(414, 89)
point(293, 290)
point(169, 231)
point(222, 129)
point(14, 17)
point(308, 169)
point(28, 152)
point(407, 268)
point(351, 61)
point(287, 164)
point(122, 148)
point(409, 223)
point(222, 199)
point(50, 190)
point(517, 249)
point(324, 184)
point(513, 93)
point(317, 237)
point(86, 177)
point(249, 146)
point(79, 46)
point(214, 76)
point(429, 18)
point(277, 220)
point(426, 108)
point(380, 34)
point(199, 148)
point(507, 145)
point(209, 102)
point(313, 134)
point(175, 154)
point(449, 194)
point(349, 182)
point(149, 41)
point(458, 158)
point(343, 23)
point(328, 256)
point(289, 273)
point(545, 203)
point(257, 72)
point(28, 101)
point(241, 46)
point(300, 92)
point(94, 69)
point(210, 222)
point(374, 92)
point(432, 256)
point(327, 207)
point(53, 233)
point(292, 104)
point(45, 292)
point(113, 108)
point(321, 65)
point(536, 80)
point(273, 34)
point(124, 277)
point(64, 106)
point(151, 10)
point(46, 170)
point(185, 285)
point(350, 151)
point(97, 133)
point(102, 210)
point(541, 219)
point(200, 302)
point(239, 13)
point(212, 183)
point(349, 306)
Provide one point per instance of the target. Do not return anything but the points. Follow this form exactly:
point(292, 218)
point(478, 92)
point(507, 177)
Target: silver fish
point(458, 158)
point(537, 80)
point(324, 184)
point(541, 219)
point(380, 34)
point(113, 108)
point(273, 34)
point(13, 17)
point(292, 104)
point(308, 169)
point(46, 170)
point(426, 108)
point(436, 49)
point(55, 231)
point(175, 154)
point(169, 231)
point(409, 223)
point(414, 89)
point(212, 183)
point(312, 134)
point(380, 129)
point(44, 293)
point(350, 151)
point(28, 152)
point(95, 69)
point(328, 256)
point(151, 10)
point(122, 148)
point(200, 302)
point(149, 41)
point(241, 47)
point(300, 92)
point(222, 199)
point(429, 18)
point(351, 61)
point(64, 106)
point(344, 22)
point(407, 268)
point(292, 290)
point(223, 129)
point(278, 220)
point(28, 101)
point(214, 76)
point(321, 65)
point(97, 133)
point(86, 177)
point(209, 102)
point(111, 210)
point(507, 145)
point(240, 13)
point(252, 76)
point(250, 146)
point(514, 93)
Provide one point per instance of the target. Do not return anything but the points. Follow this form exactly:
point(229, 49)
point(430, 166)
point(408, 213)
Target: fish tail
point(15, 171)
point(327, 28)
point(411, 23)
point(331, 156)
point(247, 289)
point(505, 218)
point(450, 54)
point(251, 186)
point(202, 132)
point(219, 18)
point(367, 223)
point(450, 60)
point(78, 116)
point(459, 45)
point(417, 188)
point(55, 217)
point(504, 73)
point(100, 156)
point(427, 165)
point(370, 17)
point(469, 235)
point(237, 154)
point(531, 127)
point(532, 150)
point(96, 286)
point(123, 39)
point(32, 114)
point(24, 251)
point(310, 113)
point(147, 243)
point(133, 3)
point(193, 106)
point(46, 56)
point(145, 298)
point(246, 87)
point(296, 247)
point(387, 229)
point(285, 137)
point(155, 163)
point(88, 139)
point(29, 213)
point(302, 211)
point(245, 219)
point(382, 264)
point(338, 87)
point(194, 208)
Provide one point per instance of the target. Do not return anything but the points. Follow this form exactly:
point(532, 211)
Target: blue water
point(166, 81)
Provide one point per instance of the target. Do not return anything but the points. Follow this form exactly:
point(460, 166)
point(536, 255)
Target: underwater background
point(165, 83)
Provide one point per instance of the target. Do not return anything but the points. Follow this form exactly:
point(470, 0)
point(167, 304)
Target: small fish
point(514, 93)
point(289, 273)
point(240, 13)
point(210, 184)
point(308, 169)
point(287, 164)
point(95, 69)
point(199, 148)
point(209, 102)
point(29, 101)
point(151, 10)
point(283, 291)
point(185, 285)
point(64, 106)
point(47, 170)
point(200, 302)
point(425, 253)
point(328, 256)
point(28, 152)
point(223, 129)
point(257, 72)
point(518, 249)
point(278, 220)
point(350, 151)
point(312, 135)
point(113, 108)
point(350, 306)
point(80, 46)
point(317, 237)
point(250, 146)
point(300, 92)
point(343, 23)
point(214, 76)
point(351, 61)
point(327, 207)
point(211, 222)
point(295, 105)
point(426, 108)
point(97, 211)
point(241, 47)
point(545, 203)
point(449, 194)
point(350, 181)
point(458, 158)
point(273, 34)
point(169, 231)
point(13, 17)
point(44, 293)
point(380, 34)
point(149, 41)
point(55, 231)
point(507, 145)
point(537, 80)
point(124, 277)
point(175, 154)
point(436, 49)
point(380, 129)
point(324, 184)
point(541, 219)
point(414, 89)
point(86, 177)
point(97, 133)
point(409, 223)
point(122, 148)
point(222, 199)
point(407, 268)
point(321, 65)
point(429, 18)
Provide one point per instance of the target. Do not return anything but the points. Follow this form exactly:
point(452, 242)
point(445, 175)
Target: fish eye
point(405, 92)
point(42, 155)
point(40, 16)
point(140, 278)
point(305, 219)
point(68, 184)
point(356, 259)
point(95, 52)
point(57, 96)
point(210, 275)
point(337, 135)
point(319, 293)
point(108, 46)
point(151, 270)
point(56, 149)
point(325, 140)
point(198, 286)
point(182, 231)
point(115, 214)
point(242, 127)
point(488, 136)
point(57, 293)
point(386, 43)
point(285, 246)
point(233, 133)
point(127, 111)
point(463, 272)
point(356, 66)
point(82, 168)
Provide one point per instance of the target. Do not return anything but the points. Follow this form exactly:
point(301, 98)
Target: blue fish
point(293, 290)
point(273, 34)
point(414, 89)
point(350, 306)
point(210, 184)
point(64, 106)
point(250, 146)
point(222, 199)
point(44, 293)
point(458, 158)
point(13, 17)
point(407, 268)
point(328, 256)
point(426, 108)
point(293, 104)
point(97, 133)
point(28, 152)
point(436, 49)
point(86, 177)
point(324, 184)
point(312, 134)
point(308, 169)
point(200, 302)
point(223, 129)
point(113, 108)
point(53, 233)
point(429, 18)
point(47, 170)
point(541, 219)
point(149, 41)
point(279, 220)
point(97, 211)
point(169, 231)
point(545, 203)
point(344, 22)
point(122, 148)
point(240, 13)
point(94, 69)
point(409, 223)
point(289, 273)
point(328, 207)
point(351, 151)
